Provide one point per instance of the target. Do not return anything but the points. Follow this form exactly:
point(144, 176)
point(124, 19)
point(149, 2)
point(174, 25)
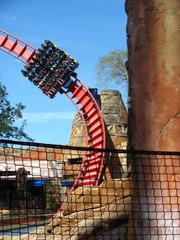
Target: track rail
point(92, 165)
point(16, 47)
point(80, 96)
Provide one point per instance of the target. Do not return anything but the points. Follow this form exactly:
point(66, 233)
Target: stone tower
point(115, 117)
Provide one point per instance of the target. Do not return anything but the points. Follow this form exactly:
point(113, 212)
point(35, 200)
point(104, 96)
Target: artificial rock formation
point(154, 113)
point(115, 117)
point(91, 213)
point(154, 74)
point(95, 213)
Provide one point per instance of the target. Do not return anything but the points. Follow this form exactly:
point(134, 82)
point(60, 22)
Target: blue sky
point(86, 29)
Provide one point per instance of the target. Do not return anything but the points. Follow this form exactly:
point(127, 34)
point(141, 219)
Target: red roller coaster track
point(81, 97)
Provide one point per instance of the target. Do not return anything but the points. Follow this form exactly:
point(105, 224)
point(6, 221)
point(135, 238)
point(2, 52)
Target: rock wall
point(77, 137)
point(115, 117)
point(95, 212)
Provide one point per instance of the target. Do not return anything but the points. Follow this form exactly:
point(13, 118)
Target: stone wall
point(115, 117)
point(77, 137)
point(94, 213)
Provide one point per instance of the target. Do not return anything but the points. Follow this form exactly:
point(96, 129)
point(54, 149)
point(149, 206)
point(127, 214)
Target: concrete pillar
point(153, 32)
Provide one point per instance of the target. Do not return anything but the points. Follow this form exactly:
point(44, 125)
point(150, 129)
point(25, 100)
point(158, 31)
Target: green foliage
point(112, 68)
point(8, 117)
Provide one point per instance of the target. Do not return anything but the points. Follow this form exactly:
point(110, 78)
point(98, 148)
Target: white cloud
point(40, 117)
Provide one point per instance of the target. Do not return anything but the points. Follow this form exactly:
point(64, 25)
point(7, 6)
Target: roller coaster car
point(50, 69)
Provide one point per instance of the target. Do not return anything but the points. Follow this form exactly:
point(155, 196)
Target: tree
point(111, 69)
point(8, 117)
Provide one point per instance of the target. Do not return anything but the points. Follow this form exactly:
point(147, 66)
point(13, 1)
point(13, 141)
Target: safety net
point(137, 196)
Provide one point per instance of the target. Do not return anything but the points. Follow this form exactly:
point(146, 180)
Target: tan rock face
point(77, 137)
point(115, 117)
point(84, 198)
point(95, 210)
